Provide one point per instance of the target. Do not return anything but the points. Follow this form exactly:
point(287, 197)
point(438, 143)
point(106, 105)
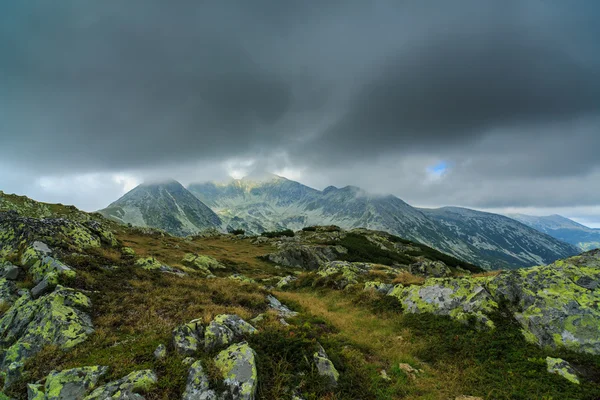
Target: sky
point(493, 105)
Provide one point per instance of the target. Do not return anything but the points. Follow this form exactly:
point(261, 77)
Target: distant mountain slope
point(278, 203)
point(563, 229)
point(168, 206)
point(500, 238)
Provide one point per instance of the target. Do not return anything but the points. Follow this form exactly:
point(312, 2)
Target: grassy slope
point(135, 310)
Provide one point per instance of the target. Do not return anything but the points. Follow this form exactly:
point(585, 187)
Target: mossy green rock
point(202, 263)
point(428, 268)
point(152, 264)
point(237, 365)
point(557, 305)
point(225, 329)
point(58, 318)
point(8, 292)
point(36, 258)
point(562, 368)
point(383, 288)
point(70, 384)
point(136, 382)
point(348, 272)
point(197, 385)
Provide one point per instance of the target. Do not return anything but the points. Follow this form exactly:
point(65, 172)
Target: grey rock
point(281, 309)
point(197, 386)
point(9, 271)
point(127, 387)
point(325, 366)
point(72, 383)
point(187, 338)
point(160, 352)
point(562, 368)
point(237, 364)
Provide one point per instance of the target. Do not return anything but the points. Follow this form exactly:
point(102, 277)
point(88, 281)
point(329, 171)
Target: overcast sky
point(486, 104)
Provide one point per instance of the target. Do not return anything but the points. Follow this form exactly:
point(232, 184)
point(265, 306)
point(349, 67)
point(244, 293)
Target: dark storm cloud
point(498, 89)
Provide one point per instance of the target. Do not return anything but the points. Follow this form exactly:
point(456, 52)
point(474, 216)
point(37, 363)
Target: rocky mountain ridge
point(276, 203)
point(562, 228)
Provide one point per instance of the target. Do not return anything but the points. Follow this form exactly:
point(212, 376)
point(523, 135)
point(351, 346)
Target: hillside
point(278, 203)
point(167, 206)
point(92, 309)
point(563, 229)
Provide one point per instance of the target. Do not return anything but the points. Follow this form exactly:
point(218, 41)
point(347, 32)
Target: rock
point(9, 271)
point(562, 368)
point(197, 386)
point(188, 337)
point(8, 292)
point(128, 386)
point(160, 352)
point(556, 305)
point(305, 256)
point(152, 264)
point(188, 361)
point(127, 252)
point(46, 285)
point(428, 268)
point(40, 264)
point(283, 282)
point(35, 392)
point(72, 383)
point(468, 398)
point(383, 288)
point(384, 375)
point(460, 298)
point(281, 310)
point(348, 272)
point(325, 366)
point(238, 366)
point(58, 318)
point(201, 262)
point(226, 328)
point(241, 278)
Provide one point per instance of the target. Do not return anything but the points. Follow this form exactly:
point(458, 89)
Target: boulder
point(46, 285)
point(237, 365)
point(348, 272)
point(8, 292)
point(562, 368)
point(197, 386)
point(127, 387)
point(160, 352)
point(58, 318)
point(278, 307)
point(36, 258)
point(201, 262)
point(225, 329)
point(460, 298)
point(187, 338)
point(70, 384)
point(9, 271)
point(152, 264)
point(308, 257)
point(428, 268)
point(383, 288)
point(325, 366)
point(285, 281)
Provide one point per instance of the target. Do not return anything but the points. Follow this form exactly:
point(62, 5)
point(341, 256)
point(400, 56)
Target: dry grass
point(486, 274)
point(406, 278)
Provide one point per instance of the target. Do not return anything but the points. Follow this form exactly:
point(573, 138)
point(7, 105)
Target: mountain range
point(563, 229)
point(275, 203)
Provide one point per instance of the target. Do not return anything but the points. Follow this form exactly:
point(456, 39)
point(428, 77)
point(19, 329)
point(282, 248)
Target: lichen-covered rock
point(281, 309)
point(70, 384)
point(35, 391)
point(46, 285)
point(557, 305)
point(325, 366)
point(285, 281)
point(126, 387)
point(160, 352)
point(460, 298)
point(241, 278)
point(383, 288)
point(188, 338)
point(349, 272)
point(237, 365)
point(225, 329)
point(9, 271)
point(58, 318)
point(127, 252)
point(197, 386)
point(428, 268)
point(305, 256)
point(202, 263)
point(562, 368)
point(36, 258)
point(152, 264)
point(8, 292)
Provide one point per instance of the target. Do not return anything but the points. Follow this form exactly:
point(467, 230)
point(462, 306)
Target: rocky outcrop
point(307, 257)
point(237, 365)
point(127, 387)
point(152, 264)
point(197, 385)
point(201, 263)
point(428, 268)
point(383, 288)
point(281, 310)
point(9, 271)
point(59, 318)
point(224, 329)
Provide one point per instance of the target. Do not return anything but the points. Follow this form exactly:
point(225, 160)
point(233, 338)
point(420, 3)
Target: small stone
point(160, 352)
point(10, 271)
point(188, 361)
point(197, 386)
point(325, 366)
point(562, 368)
point(384, 375)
